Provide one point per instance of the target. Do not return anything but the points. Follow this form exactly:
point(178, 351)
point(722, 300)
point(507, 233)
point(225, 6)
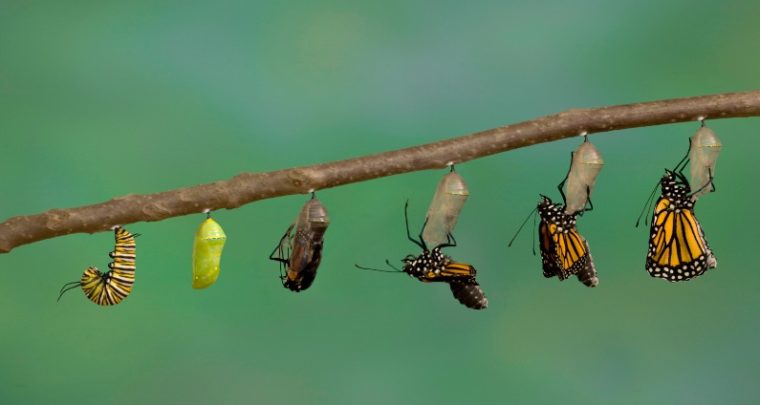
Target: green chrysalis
point(207, 253)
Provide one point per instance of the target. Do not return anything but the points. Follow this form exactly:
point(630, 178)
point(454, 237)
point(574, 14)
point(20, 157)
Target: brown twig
point(248, 187)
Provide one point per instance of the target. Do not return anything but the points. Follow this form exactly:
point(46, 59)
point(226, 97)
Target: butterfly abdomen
point(469, 294)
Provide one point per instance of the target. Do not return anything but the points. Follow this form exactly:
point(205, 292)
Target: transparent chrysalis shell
point(703, 153)
point(207, 253)
point(444, 209)
point(586, 164)
point(300, 249)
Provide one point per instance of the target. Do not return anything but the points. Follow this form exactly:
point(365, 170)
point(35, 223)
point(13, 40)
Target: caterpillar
point(113, 286)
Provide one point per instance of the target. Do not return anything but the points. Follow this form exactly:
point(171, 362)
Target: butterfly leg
point(561, 184)
point(712, 183)
point(682, 164)
point(450, 241)
point(281, 258)
point(589, 205)
point(709, 183)
point(420, 243)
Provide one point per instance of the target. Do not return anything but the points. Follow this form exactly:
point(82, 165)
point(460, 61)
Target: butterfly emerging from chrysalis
point(564, 252)
point(432, 265)
point(113, 286)
point(678, 250)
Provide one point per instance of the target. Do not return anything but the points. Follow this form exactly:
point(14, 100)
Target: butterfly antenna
point(380, 270)
point(533, 211)
point(646, 205)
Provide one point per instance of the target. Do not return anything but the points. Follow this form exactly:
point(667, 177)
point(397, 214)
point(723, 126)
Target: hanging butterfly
point(113, 286)
point(299, 251)
point(678, 250)
point(564, 252)
point(432, 265)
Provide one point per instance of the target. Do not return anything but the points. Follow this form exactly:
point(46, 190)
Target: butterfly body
point(433, 265)
point(678, 250)
point(564, 252)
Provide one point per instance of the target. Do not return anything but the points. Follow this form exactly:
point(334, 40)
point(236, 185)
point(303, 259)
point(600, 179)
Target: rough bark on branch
point(248, 187)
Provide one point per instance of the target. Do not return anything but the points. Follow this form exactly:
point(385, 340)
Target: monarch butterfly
point(450, 196)
point(585, 164)
point(303, 241)
point(113, 286)
point(564, 252)
point(434, 266)
point(207, 252)
point(704, 148)
point(678, 250)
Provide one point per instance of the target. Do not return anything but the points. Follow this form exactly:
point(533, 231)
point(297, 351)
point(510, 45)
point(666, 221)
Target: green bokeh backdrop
point(102, 99)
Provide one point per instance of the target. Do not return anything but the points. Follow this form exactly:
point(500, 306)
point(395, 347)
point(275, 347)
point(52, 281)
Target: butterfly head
point(674, 186)
point(555, 213)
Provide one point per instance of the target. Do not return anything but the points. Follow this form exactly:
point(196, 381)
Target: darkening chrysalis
point(299, 251)
point(444, 209)
point(703, 154)
point(207, 253)
point(586, 163)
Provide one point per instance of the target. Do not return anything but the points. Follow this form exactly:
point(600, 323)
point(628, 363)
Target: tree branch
point(248, 187)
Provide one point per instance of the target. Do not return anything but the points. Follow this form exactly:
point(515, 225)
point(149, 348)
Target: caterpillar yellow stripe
point(207, 253)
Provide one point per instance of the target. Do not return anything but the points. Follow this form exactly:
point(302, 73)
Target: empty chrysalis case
point(586, 164)
point(444, 209)
point(703, 153)
point(207, 253)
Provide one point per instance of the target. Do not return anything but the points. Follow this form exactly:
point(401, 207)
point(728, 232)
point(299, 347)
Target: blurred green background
point(102, 99)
